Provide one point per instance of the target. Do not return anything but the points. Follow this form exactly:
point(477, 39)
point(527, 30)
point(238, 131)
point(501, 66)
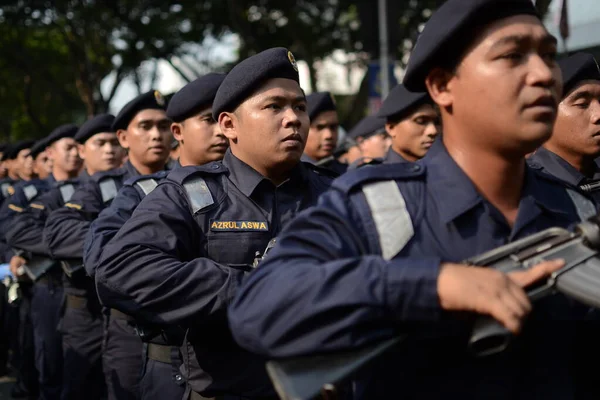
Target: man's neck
point(581, 162)
point(275, 173)
point(405, 155)
point(62, 175)
point(13, 176)
point(498, 179)
point(146, 169)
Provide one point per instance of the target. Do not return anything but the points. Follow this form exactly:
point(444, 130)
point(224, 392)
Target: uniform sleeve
point(319, 290)
point(106, 226)
point(153, 268)
point(26, 232)
point(11, 207)
point(66, 227)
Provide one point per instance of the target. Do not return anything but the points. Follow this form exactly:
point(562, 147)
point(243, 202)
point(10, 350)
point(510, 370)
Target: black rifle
point(590, 187)
point(306, 377)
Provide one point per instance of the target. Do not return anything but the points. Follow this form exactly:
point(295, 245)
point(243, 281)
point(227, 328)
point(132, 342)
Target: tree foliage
point(55, 54)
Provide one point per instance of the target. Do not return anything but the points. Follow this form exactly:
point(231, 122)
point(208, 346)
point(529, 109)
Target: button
point(215, 166)
point(178, 378)
point(415, 167)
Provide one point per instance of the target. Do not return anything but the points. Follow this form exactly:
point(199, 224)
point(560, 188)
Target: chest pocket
point(237, 249)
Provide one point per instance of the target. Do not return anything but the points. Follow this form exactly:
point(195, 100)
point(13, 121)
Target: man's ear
point(122, 136)
point(228, 122)
point(438, 83)
point(176, 131)
point(81, 151)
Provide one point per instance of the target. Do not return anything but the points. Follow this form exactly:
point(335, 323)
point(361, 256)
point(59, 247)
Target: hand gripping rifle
point(307, 377)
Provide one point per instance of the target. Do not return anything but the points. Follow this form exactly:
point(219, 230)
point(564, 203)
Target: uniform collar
point(247, 179)
point(556, 166)
point(392, 157)
point(456, 195)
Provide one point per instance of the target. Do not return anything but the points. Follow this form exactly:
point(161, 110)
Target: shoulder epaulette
point(66, 191)
point(382, 172)
point(182, 174)
point(157, 176)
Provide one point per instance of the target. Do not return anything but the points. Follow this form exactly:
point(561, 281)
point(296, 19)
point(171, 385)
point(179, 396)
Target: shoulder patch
point(11, 190)
point(73, 206)
point(15, 208)
point(37, 206)
point(30, 191)
point(108, 188)
point(392, 220)
point(66, 192)
point(585, 207)
point(198, 193)
point(383, 172)
point(182, 174)
point(147, 185)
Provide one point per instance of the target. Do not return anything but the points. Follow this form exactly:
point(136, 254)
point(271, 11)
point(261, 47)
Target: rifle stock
point(306, 377)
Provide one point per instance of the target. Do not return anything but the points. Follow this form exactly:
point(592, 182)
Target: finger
point(543, 270)
point(520, 297)
point(502, 314)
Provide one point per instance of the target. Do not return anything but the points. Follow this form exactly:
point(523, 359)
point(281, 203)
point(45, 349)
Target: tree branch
point(178, 70)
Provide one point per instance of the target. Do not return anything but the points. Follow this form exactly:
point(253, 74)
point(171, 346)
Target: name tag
point(238, 226)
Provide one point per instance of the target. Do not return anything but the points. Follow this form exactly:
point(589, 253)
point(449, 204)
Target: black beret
point(319, 102)
point(38, 147)
point(367, 127)
point(194, 97)
point(6, 152)
point(63, 131)
point(16, 148)
point(450, 30)
point(98, 124)
point(250, 74)
point(400, 100)
point(150, 100)
point(576, 68)
point(3, 147)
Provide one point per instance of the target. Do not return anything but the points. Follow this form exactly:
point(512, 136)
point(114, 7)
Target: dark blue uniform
point(364, 264)
point(556, 166)
point(161, 377)
point(26, 352)
point(83, 323)
point(26, 233)
point(393, 158)
point(181, 257)
point(329, 163)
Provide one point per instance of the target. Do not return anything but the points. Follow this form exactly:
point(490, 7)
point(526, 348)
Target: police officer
point(372, 139)
point(27, 234)
point(142, 128)
point(190, 242)
point(46, 293)
point(201, 141)
point(323, 132)
point(382, 250)
point(98, 148)
point(575, 143)
point(411, 121)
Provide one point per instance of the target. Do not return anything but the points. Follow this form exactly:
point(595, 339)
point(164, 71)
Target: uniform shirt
point(66, 227)
point(112, 218)
point(393, 157)
point(23, 192)
point(182, 255)
point(26, 229)
point(555, 165)
point(342, 276)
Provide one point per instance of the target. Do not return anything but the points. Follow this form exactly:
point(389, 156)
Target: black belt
point(121, 315)
point(159, 352)
point(76, 301)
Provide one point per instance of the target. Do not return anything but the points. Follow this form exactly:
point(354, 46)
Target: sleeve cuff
point(411, 289)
